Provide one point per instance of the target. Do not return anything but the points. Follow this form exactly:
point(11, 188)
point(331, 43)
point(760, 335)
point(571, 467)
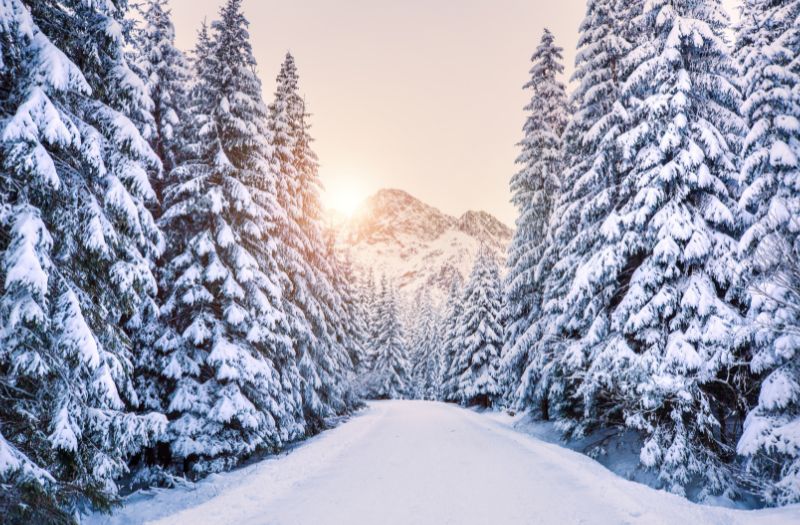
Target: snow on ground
point(404, 462)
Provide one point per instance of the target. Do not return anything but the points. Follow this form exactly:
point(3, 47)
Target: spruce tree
point(590, 190)
point(369, 298)
point(353, 314)
point(451, 342)
point(369, 292)
point(481, 334)
point(75, 239)
point(225, 357)
point(165, 71)
point(310, 297)
point(663, 335)
point(391, 374)
point(415, 336)
point(534, 189)
point(424, 348)
point(346, 322)
point(770, 246)
point(431, 372)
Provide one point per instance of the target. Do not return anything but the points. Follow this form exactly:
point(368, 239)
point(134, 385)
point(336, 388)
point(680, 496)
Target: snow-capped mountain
point(414, 244)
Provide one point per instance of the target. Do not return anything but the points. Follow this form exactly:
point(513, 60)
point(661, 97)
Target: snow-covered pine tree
point(414, 330)
point(369, 297)
point(481, 334)
point(75, 239)
point(168, 79)
point(370, 294)
point(310, 296)
point(534, 190)
point(770, 245)
point(390, 378)
point(225, 357)
point(425, 348)
point(590, 190)
point(451, 342)
point(431, 372)
point(348, 325)
point(154, 389)
point(667, 340)
point(353, 315)
point(366, 301)
point(201, 66)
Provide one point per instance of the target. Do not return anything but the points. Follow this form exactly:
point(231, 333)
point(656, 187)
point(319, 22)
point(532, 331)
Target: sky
point(420, 95)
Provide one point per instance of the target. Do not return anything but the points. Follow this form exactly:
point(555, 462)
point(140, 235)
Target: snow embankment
point(220, 498)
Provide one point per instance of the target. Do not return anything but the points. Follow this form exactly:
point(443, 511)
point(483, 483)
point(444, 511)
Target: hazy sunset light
point(420, 95)
point(358, 262)
point(345, 195)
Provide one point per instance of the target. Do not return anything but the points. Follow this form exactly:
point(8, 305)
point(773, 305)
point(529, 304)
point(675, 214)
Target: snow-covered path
point(409, 462)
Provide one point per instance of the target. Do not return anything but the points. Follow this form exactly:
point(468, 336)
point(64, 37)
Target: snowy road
point(408, 462)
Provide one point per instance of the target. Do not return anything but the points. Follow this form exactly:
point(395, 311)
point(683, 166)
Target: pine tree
point(75, 239)
point(369, 293)
point(369, 298)
point(431, 372)
point(451, 342)
point(770, 246)
point(666, 342)
point(226, 358)
point(590, 190)
point(481, 333)
point(311, 298)
point(425, 349)
point(415, 335)
point(365, 302)
point(347, 325)
point(534, 189)
point(201, 66)
point(390, 376)
point(353, 315)
point(167, 77)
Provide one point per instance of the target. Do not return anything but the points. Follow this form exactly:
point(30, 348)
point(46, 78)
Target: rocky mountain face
point(414, 244)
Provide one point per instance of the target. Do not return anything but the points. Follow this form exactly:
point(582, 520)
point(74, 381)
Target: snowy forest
point(172, 303)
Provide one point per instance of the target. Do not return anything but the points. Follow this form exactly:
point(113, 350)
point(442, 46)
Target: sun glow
point(344, 198)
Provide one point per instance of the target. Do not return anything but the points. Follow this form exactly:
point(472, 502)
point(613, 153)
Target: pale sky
point(421, 95)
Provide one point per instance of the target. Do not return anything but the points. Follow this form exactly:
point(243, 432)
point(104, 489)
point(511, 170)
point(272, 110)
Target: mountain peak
point(393, 194)
point(484, 226)
point(391, 212)
point(418, 246)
